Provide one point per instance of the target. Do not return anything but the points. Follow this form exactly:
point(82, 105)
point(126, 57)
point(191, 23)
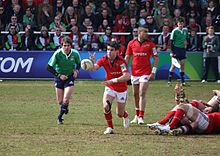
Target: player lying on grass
point(117, 76)
point(194, 117)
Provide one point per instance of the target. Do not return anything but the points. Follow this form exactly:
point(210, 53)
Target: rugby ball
point(86, 64)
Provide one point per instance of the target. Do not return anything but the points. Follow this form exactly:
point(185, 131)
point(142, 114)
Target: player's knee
point(107, 106)
point(120, 115)
point(65, 101)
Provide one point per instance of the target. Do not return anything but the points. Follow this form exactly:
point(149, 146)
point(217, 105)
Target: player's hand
point(92, 56)
point(75, 73)
point(207, 110)
point(63, 77)
point(151, 76)
point(107, 83)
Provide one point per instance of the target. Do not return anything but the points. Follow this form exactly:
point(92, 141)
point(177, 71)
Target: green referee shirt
point(64, 64)
point(179, 37)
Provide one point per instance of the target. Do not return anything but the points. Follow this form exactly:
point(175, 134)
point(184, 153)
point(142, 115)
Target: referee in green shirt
point(64, 65)
point(178, 40)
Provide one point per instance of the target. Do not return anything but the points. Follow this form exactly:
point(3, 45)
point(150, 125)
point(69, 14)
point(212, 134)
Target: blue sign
point(33, 65)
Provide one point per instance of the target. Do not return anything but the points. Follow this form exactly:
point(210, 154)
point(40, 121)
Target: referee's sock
point(182, 77)
point(170, 76)
point(62, 111)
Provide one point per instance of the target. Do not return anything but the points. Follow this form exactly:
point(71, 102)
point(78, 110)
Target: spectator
point(131, 11)
point(119, 27)
point(44, 41)
point(193, 25)
point(87, 22)
point(104, 6)
point(29, 19)
point(69, 14)
point(2, 18)
point(212, 8)
point(10, 10)
point(104, 15)
point(163, 40)
point(89, 14)
point(133, 35)
point(164, 14)
point(45, 16)
point(89, 41)
point(18, 12)
point(57, 38)
point(203, 4)
point(59, 7)
point(105, 38)
point(78, 9)
point(30, 4)
point(13, 39)
point(148, 6)
point(19, 26)
point(133, 24)
point(177, 16)
point(28, 39)
point(103, 26)
point(57, 24)
point(167, 22)
point(76, 37)
point(206, 23)
point(142, 16)
point(193, 41)
point(158, 6)
point(210, 54)
point(117, 9)
point(73, 22)
point(193, 14)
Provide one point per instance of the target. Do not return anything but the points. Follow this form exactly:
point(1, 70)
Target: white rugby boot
point(108, 130)
point(135, 120)
point(140, 121)
point(153, 125)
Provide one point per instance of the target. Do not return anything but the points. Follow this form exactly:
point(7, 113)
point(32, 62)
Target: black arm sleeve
point(52, 70)
point(171, 45)
point(78, 66)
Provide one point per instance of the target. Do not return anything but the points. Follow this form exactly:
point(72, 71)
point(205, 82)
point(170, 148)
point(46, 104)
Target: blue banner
point(33, 64)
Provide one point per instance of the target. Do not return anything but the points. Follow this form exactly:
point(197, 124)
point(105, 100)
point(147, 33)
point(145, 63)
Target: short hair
point(67, 39)
point(114, 44)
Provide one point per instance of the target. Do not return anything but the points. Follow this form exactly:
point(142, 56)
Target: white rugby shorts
point(138, 79)
point(119, 96)
point(202, 122)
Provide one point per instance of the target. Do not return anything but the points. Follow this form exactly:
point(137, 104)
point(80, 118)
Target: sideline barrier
point(32, 65)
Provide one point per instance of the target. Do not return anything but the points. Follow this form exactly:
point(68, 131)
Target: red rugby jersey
point(114, 70)
point(140, 53)
point(214, 120)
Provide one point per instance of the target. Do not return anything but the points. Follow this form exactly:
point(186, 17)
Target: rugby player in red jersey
point(204, 121)
point(117, 75)
point(140, 50)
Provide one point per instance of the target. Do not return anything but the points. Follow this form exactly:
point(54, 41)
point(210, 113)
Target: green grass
point(28, 112)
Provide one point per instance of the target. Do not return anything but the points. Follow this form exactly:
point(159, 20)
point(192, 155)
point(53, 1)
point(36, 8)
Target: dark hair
point(180, 20)
point(114, 44)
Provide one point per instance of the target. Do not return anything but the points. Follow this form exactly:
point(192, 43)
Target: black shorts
point(179, 53)
point(66, 83)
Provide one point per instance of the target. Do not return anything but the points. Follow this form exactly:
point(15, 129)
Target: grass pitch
point(28, 112)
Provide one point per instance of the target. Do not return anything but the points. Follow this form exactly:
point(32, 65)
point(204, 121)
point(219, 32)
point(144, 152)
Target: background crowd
point(41, 24)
